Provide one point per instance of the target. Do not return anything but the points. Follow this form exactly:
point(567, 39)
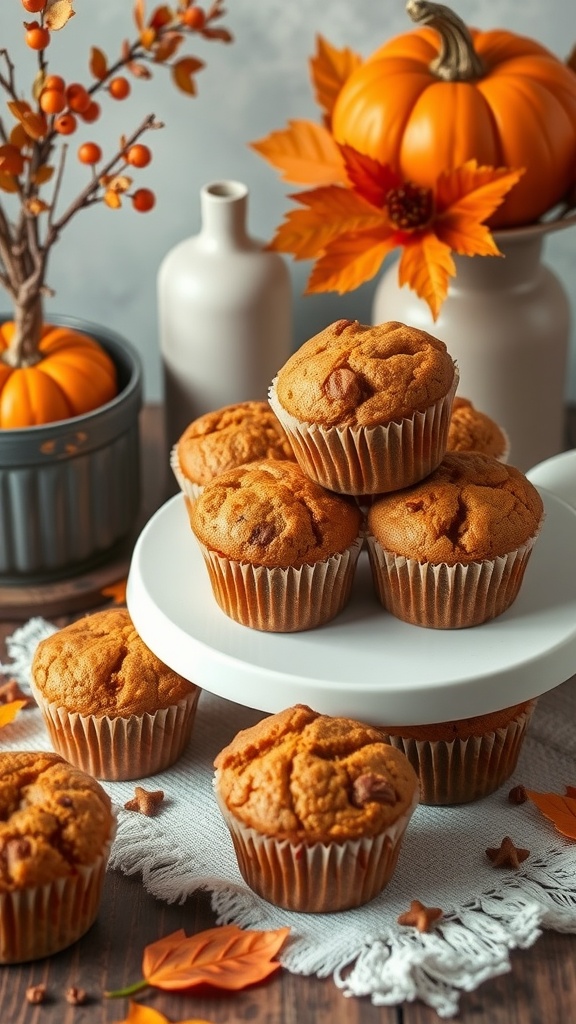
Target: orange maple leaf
point(305, 154)
point(9, 711)
point(560, 810)
point(331, 211)
point(226, 957)
point(139, 1014)
point(329, 69)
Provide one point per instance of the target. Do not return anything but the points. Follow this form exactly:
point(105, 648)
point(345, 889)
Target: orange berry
point(92, 112)
point(194, 18)
point(143, 200)
point(54, 82)
point(33, 6)
point(11, 159)
point(37, 38)
point(65, 124)
point(78, 98)
point(89, 153)
point(138, 155)
point(119, 88)
point(52, 101)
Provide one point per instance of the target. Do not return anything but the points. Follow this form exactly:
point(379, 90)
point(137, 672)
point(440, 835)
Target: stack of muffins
point(383, 451)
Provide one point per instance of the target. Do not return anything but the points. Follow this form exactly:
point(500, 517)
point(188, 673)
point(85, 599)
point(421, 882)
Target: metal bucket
point(70, 490)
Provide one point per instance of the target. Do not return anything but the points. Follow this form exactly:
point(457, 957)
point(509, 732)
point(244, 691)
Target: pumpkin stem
point(28, 322)
point(457, 60)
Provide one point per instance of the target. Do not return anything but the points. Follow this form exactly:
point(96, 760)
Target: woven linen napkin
point(487, 911)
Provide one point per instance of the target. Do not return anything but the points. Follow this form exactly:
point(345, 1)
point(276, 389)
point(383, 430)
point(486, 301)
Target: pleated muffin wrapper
point(190, 490)
point(121, 748)
point(319, 878)
point(466, 768)
point(41, 920)
point(370, 460)
point(447, 596)
point(278, 599)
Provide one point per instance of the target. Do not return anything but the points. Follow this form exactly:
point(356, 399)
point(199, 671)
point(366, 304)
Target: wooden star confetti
point(145, 801)
point(507, 855)
point(421, 917)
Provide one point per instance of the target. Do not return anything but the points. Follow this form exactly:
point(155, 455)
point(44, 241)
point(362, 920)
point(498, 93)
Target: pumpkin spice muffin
point(110, 705)
point(316, 807)
point(461, 761)
point(226, 438)
point(56, 830)
point(451, 551)
point(367, 408)
point(280, 550)
point(473, 431)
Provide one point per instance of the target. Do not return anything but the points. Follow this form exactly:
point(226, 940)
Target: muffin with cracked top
point(226, 438)
point(367, 408)
point(472, 430)
point(451, 551)
point(110, 705)
point(56, 830)
point(317, 807)
point(280, 550)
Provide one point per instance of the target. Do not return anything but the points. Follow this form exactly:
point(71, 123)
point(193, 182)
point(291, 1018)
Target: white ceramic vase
point(506, 321)
point(225, 312)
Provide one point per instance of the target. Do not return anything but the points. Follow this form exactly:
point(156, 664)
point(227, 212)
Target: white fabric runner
point(487, 911)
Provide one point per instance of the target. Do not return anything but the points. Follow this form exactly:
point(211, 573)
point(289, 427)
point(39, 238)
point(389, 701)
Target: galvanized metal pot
point(70, 490)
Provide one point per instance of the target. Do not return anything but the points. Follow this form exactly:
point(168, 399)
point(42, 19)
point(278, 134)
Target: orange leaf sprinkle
point(227, 957)
point(560, 810)
point(329, 69)
point(305, 154)
point(140, 1014)
point(9, 711)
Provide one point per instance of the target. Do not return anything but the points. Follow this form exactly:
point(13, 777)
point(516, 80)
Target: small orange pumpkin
point(435, 97)
point(74, 375)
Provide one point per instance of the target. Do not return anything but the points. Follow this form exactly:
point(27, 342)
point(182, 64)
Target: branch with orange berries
point(34, 143)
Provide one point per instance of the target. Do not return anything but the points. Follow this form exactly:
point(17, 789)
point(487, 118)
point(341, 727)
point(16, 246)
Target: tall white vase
point(225, 312)
point(506, 321)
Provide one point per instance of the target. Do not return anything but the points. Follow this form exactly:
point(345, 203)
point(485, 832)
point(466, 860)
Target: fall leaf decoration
point(139, 1014)
point(560, 810)
point(9, 711)
point(116, 591)
point(361, 210)
point(226, 957)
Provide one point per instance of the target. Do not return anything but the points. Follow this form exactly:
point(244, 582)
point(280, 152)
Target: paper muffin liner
point(370, 460)
point(320, 878)
point(447, 596)
point(116, 748)
point(190, 490)
point(41, 920)
point(464, 769)
point(278, 599)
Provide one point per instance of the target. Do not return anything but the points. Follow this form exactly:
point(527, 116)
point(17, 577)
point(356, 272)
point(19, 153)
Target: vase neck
point(224, 206)
point(520, 262)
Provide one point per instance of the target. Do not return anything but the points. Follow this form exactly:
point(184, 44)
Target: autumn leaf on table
point(116, 591)
point(9, 711)
point(349, 230)
point(227, 957)
point(560, 810)
point(139, 1014)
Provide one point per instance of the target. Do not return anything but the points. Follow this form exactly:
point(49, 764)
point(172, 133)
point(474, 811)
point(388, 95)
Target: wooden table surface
point(539, 989)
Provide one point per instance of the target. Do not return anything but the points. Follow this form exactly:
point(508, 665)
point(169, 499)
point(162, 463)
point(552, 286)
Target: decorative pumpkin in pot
point(441, 135)
point(69, 398)
point(431, 99)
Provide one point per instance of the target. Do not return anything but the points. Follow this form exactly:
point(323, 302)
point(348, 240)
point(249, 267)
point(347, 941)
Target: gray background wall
point(104, 267)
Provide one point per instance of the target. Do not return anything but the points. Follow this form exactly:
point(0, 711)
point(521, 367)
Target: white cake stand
point(364, 664)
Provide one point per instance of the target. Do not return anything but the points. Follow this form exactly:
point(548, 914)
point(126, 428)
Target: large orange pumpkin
point(432, 98)
point(73, 376)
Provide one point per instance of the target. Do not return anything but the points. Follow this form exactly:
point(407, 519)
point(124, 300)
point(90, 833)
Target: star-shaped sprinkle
point(421, 917)
point(507, 855)
point(145, 801)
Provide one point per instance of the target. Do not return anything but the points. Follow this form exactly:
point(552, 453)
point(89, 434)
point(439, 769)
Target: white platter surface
point(365, 664)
